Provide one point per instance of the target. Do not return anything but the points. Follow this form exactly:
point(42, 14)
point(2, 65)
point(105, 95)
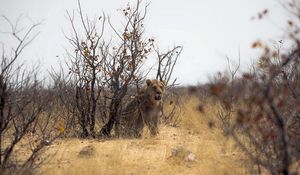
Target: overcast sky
point(207, 29)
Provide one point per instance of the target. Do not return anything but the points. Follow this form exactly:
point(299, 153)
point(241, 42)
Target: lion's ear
point(148, 81)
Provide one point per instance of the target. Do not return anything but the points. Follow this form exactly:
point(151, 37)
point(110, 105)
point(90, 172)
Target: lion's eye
point(161, 87)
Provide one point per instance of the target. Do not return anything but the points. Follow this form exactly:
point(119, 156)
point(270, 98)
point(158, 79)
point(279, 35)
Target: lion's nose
point(158, 96)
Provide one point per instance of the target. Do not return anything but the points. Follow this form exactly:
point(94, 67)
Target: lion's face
point(156, 89)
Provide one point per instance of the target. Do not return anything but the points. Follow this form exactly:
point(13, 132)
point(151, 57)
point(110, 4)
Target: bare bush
point(165, 67)
point(25, 112)
point(85, 67)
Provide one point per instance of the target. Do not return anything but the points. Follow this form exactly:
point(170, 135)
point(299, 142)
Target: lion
point(144, 109)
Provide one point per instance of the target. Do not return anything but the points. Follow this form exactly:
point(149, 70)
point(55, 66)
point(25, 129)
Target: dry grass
point(214, 154)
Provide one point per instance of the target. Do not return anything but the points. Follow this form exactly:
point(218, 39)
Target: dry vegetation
point(239, 123)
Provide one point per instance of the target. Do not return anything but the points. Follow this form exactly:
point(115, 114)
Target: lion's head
point(155, 89)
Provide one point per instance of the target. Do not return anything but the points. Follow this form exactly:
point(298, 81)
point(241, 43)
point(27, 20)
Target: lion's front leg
point(152, 123)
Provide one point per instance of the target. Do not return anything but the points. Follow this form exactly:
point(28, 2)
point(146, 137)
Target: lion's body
point(144, 109)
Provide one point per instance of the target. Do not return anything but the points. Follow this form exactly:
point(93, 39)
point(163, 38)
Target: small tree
point(123, 66)
point(85, 66)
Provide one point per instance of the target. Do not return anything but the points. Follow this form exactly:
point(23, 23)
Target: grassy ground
point(191, 148)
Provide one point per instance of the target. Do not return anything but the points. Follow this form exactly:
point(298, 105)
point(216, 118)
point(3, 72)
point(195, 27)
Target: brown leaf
point(216, 89)
point(248, 76)
point(260, 16)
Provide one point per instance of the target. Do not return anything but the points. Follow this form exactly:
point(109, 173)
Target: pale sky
point(207, 29)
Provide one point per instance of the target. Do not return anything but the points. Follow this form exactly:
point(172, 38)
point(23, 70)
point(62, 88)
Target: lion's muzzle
point(157, 96)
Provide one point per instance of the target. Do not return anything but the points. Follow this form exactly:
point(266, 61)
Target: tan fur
point(145, 109)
